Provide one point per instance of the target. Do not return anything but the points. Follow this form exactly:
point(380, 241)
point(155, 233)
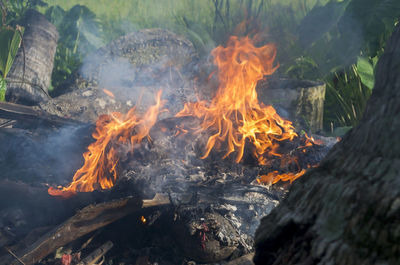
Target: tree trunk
point(30, 75)
point(347, 211)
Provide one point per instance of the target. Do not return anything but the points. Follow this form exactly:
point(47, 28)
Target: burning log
point(30, 75)
point(85, 221)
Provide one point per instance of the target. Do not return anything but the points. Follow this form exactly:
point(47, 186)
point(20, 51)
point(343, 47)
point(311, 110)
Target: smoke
point(47, 156)
point(134, 67)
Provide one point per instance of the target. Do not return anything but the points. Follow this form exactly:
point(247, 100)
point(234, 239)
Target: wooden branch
point(93, 257)
point(85, 221)
point(19, 112)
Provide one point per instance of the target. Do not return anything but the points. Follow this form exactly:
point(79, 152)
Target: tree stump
point(30, 76)
point(300, 101)
point(347, 211)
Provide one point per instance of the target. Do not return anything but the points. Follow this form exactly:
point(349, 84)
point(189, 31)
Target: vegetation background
point(337, 41)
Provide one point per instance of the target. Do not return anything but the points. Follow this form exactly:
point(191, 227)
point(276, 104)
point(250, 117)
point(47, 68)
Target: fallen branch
point(85, 221)
point(15, 256)
point(93, 257)
point(19, 112)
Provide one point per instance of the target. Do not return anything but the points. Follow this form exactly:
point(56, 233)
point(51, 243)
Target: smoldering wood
point(300, 101)
point(27, 208)
point(85, 221)
point(30, 75)
point(30, 115)
point(347, 210)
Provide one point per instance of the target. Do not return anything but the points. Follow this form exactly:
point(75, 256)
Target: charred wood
point(85, 221)
point(97, 254)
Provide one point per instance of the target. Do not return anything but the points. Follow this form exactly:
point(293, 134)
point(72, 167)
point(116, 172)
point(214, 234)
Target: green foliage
point(3, 88)
point(343, 40)
point(17, 8)
point(365, 69)
point(301, 66)
point(80, 33)
point(346, 99)
point(10, 40)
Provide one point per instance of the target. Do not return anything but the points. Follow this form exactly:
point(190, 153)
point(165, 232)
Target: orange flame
point(274, 176)
point(235, 114)
point(100, 170)
point(109, 93)
point(143, 219)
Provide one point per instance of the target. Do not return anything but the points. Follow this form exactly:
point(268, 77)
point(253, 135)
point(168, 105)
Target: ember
point(109, 93)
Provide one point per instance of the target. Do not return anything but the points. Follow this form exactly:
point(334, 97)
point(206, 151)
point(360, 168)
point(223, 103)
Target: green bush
point(10, 41)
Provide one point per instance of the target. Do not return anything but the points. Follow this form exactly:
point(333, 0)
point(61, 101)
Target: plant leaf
point(13, 49)
point(55, 15)
point(366, 72)
point(6, 36)
point(3, 88)
point(320, 20)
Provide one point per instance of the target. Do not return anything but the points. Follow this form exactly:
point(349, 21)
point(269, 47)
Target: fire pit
point(220, 164)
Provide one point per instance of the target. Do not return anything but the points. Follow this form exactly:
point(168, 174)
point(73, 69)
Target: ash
point(217, 203)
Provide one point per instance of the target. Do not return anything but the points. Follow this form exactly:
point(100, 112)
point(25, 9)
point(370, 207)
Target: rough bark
point(300, 101)
point(347, 211)
point(30, 75)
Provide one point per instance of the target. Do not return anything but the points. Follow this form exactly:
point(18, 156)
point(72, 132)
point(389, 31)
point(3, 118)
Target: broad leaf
point(366, 72)
point(55, 15)
point(320, 20)
point(80, 30)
